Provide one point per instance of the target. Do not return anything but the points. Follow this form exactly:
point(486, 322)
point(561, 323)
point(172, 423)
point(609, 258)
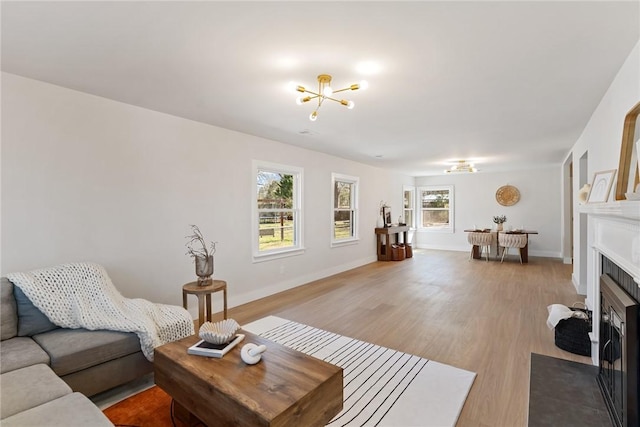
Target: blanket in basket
point(81, 295)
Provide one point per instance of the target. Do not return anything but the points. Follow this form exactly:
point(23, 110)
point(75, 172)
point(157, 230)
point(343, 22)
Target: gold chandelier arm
point(312, 93)
point(346, 88)
point(339, 101)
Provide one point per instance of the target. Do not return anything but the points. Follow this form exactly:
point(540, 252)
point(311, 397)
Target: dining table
point(524, 252)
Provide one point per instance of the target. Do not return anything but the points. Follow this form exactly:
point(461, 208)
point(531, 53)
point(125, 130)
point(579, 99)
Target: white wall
point(475, 204)
point(89, 179)
point(601, 141)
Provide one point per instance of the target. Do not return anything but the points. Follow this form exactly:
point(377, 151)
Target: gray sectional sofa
point(43, 364)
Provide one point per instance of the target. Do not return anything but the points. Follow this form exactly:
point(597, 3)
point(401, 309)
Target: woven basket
point(408, 250)
point(398, 253)
point(572, 334)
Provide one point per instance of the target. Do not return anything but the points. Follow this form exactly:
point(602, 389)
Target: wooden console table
point(384, 237)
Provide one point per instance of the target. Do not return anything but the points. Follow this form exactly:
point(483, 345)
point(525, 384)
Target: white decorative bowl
point(632, 196)
point(219, 332)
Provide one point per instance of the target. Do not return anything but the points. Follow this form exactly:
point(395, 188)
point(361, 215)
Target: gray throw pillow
point(31, 321)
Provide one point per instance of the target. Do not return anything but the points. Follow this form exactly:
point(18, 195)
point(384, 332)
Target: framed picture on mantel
point(601, 186)
point(386, 214)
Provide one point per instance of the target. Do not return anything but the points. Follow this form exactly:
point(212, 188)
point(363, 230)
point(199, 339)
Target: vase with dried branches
point(202, 255)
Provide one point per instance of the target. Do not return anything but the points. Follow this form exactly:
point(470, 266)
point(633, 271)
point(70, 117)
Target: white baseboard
point(581, 290)
point(265, 291)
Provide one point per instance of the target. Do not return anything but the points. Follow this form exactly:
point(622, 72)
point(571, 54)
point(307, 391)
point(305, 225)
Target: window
point(436, 208)
point(409, 201)
point(345, 209)
point(277, 211)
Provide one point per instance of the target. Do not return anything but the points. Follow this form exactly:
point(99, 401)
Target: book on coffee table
point(204, 348)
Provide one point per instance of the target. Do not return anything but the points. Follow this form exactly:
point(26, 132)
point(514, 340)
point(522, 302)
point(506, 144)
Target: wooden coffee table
point(286, 388)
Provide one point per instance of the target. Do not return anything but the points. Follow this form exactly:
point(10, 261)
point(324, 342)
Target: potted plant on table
point(499, 220)
point(202, 255)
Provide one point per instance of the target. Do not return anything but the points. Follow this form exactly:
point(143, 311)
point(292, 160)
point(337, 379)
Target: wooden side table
point(204, 292)
point(384, 237)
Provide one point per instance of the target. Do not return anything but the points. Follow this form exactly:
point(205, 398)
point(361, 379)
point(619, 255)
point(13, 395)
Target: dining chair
point(506, 241)
point(482, 240)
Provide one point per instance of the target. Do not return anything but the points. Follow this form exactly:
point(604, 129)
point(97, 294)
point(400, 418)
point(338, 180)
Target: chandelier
point(326, 92)
point(461, 166)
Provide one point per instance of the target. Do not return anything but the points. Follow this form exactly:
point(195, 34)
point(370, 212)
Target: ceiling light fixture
point(326, 92)
point(461, 167)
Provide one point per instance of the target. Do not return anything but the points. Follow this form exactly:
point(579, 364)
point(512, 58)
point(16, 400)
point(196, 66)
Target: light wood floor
point(485, 317)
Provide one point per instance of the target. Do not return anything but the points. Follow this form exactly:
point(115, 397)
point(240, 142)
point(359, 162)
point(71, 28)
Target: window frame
point(441, 229)
point(412, 199)
point(355, 182)
point(298, 214)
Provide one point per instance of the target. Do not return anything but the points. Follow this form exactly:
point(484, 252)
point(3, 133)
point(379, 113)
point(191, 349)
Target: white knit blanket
point(81, 295)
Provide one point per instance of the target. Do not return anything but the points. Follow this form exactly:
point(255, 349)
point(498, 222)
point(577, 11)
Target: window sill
point(277, 255)
point(435, 230)
point(347, 242)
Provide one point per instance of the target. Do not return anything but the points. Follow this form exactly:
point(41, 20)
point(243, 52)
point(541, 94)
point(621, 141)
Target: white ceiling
point(507, 84)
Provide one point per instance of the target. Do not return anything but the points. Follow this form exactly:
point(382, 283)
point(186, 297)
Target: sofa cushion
point(31, 320)
point(20, 352)
point(72, 350)
point(8, 313)
point(29, 387)
point(72, 410)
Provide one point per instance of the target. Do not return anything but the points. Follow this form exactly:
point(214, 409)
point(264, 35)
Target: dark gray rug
point(565, 393)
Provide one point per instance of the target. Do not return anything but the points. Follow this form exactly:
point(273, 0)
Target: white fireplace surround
point(613, 231)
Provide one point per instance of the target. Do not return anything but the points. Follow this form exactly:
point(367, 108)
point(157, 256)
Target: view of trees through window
point(343, 210)
point(276, 210)
point(408, 203)
point(435, 207)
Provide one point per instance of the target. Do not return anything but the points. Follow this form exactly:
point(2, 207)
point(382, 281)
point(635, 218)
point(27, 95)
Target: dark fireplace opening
point(619, 344)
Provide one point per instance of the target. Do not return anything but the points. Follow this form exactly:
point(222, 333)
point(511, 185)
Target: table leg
point(224, 291)
point(208, 308)
point(184, 300)
point(476, 252)
point(200, 310)
point(183, 414)
point(524, 253)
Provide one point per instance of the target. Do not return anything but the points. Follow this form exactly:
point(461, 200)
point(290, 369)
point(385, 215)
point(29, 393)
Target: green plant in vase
point(499, 220)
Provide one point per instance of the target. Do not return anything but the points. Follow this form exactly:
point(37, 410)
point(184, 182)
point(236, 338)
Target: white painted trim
point(298, 186)
point(262, 290)
point(355, 195)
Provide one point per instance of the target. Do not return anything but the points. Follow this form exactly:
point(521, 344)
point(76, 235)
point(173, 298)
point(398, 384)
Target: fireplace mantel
point(624, 209)
point(613, 230)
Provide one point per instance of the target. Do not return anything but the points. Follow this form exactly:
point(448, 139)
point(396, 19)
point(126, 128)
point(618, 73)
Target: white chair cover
point(507, 241)
point(483, 240)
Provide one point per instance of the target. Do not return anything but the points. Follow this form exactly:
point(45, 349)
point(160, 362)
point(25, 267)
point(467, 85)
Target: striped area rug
point(382, 387)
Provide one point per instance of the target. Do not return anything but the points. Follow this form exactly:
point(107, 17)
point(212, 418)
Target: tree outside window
point(436, 205)
point(344, 215)
point(277, 209)
point(408, 197)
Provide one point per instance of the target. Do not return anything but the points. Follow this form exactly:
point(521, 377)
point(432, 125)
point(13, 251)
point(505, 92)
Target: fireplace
point(618, 345)
point(612, 273)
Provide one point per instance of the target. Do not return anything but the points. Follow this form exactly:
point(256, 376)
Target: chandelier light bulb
point(299, 100)
point(363, 84)
point(327, 91)
point(350, 105)
point(313, 116)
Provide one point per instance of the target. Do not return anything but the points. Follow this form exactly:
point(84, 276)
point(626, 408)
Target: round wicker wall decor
point(507, 195)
